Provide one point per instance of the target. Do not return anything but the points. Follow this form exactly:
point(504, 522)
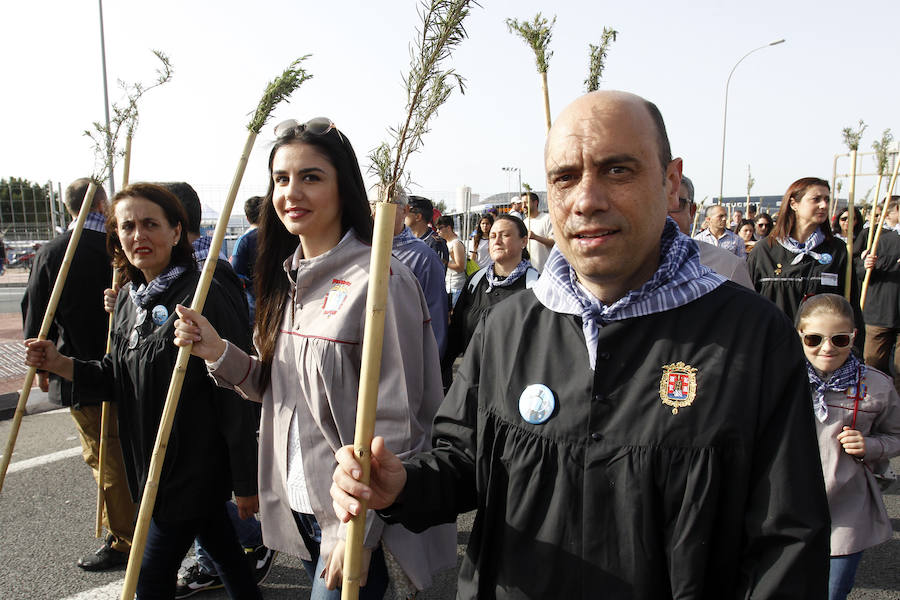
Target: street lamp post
point(725, 117)
point(509, 170)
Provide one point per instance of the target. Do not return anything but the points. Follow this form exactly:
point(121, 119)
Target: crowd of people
point(547, 373)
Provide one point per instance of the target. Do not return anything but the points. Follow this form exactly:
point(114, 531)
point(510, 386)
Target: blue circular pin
point(825, 258)
point(160, 314)
point(536, 404)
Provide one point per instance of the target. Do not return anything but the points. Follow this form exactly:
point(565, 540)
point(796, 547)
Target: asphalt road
point(47, 516)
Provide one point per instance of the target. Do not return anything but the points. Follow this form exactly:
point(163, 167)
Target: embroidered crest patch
point(335, 297)
point(678, 385)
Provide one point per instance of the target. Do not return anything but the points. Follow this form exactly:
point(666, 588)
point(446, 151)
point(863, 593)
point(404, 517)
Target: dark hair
point(520, 225)
point(422, 206)
point(784, 224)
point(663, 149)
point(688, 185)
point(77, 190)
point(746, 222)
point(445, 220)
point(190, 200)
point(532, 197)
point(182, 252)
point(829, 303)
point(765, 216)
point(275, 243)
point(857, 221)
point(251, 209)
point(478, 233)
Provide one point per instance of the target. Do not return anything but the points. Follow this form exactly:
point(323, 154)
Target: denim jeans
point(376, 583)
point(841, 575)
point(167, 542)
point(249, 534)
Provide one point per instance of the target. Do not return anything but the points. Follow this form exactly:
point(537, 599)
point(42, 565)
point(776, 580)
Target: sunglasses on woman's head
point(317, 126)
point(838, 340)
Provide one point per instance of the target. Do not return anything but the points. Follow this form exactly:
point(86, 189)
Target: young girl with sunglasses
point(858, 423)
point(312, 275)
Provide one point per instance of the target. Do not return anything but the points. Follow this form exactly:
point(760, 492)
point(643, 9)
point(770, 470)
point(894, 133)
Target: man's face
point(718, 219)
point(607, 192)
point(684, 214)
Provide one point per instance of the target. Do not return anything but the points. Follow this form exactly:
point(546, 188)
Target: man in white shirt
point(719, 235)
point(540, 231)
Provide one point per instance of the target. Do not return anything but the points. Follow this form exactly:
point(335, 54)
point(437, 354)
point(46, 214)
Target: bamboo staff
point(850, 218)
point(887, 200)
point(537, 34)
point(46, 323)
point(428, 87)
point(277, 91)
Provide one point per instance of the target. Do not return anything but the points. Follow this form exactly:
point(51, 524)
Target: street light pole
point(109, 156)
point(725, 117)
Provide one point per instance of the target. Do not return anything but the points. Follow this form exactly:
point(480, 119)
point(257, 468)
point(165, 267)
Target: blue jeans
point(376, 583)
point(841, 575)
point(167, 542)
point(249, 534)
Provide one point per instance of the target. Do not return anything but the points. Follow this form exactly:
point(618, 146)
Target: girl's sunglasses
point(317, 126)
point(838, 340)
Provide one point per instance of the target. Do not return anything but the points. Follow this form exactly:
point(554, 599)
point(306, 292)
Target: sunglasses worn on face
point(317, 126)
point(838, 340)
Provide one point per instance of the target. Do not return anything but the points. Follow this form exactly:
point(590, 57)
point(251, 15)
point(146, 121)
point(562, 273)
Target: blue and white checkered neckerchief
point(94, 221)
point(680, 279)
point(493, 281)
point(801, 250)
point(847, 374)
point(201, 249)
point(404, 237)
point(146, 294)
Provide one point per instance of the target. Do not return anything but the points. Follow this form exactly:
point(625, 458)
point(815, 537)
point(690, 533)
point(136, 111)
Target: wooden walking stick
point(128, 117)
point(428, 87)
point(46, 323)
point(848, 277)
point(276, 91)
point(874, 250)
point(881, 160)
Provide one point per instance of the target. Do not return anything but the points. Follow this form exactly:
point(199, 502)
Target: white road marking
point(110, 591)
point(43, 460)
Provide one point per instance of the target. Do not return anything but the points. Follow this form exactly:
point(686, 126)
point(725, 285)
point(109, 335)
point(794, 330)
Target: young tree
point(598, 59)
point(851, 138)
point(537, 34)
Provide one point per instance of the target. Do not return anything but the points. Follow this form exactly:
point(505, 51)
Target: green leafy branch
point(750, 180)
point(428, 85)
point(598, 59)
point(851, 137)
point(881, 151)
point(276, 91)
point(537, 34)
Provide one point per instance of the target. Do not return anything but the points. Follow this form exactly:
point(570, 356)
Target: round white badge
point(160, 314)
point(536, 404)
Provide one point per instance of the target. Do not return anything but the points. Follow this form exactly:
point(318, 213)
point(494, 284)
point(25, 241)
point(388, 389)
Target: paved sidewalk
point(13, 369)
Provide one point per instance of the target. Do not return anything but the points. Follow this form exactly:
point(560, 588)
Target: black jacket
point(80, 323)
point(615, 496)
point(212, 446)
point(883, 295)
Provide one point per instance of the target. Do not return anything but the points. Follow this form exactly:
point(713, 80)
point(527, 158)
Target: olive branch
point(598, 59)
point(277, 91)
point(881, 151)
point(851, 137)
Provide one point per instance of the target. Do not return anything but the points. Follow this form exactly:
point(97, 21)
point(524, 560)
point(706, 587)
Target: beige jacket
point(858, 517)
point(316, 372)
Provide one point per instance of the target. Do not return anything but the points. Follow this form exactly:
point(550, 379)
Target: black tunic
point(80, 323)
point(883, 295)
point(787, 285)
point(615, 496)
point(212, 446)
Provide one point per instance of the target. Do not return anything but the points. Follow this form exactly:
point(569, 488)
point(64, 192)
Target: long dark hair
point(182, 253)
point(478, 233)
point(275, 243)
point(784, 224)
point(857, 222)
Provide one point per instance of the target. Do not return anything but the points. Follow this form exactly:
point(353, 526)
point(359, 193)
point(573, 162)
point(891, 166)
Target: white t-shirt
point(454, 279)
point(542, 226)
point(484, 252)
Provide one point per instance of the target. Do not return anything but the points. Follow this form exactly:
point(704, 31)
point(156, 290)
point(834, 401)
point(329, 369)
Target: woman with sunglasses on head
point(212, 446)
point(801, 257)
point(312, 275)
point(857, 414)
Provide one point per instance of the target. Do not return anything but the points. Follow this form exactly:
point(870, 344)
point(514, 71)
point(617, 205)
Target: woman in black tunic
point(212, 446)
point(801, 257)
